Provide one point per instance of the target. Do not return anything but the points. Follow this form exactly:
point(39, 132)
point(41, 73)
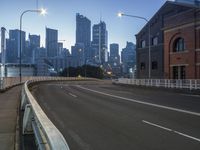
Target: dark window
point(179, 72)
point(154, 65)
point(179, 45)
point(142, 66)
point(155, 41)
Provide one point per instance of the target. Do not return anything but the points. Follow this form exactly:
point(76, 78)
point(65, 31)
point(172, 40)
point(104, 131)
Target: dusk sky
point(61, 16)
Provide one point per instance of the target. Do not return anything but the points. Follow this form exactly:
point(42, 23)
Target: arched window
point(179, 45)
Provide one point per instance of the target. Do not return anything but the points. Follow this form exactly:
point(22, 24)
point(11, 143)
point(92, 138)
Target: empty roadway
point(101, 116)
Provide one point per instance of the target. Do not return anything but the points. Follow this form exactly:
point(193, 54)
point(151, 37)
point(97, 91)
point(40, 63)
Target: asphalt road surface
point(101, 116)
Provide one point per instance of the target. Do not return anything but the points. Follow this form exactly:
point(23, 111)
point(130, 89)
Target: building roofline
point(164, 5)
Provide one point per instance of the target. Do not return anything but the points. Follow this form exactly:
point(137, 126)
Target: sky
point(61, 15)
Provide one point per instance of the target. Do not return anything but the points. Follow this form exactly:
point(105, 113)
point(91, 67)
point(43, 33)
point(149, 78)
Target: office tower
point(114, 55)
point(99, 42)
point(13, 46)
point(34, 40)
point(60, 48)
point(78, 54)
point(3, 41)
point(83, 30)
point(128, 58)
point(52, 42)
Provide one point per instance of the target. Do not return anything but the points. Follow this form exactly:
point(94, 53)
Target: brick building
point(182, 45)
point(157, 40)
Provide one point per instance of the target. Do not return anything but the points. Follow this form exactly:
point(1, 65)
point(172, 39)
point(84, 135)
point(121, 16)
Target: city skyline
point(62, 17)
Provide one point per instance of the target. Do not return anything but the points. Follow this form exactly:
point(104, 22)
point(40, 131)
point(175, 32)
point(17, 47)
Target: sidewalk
point(9, 103)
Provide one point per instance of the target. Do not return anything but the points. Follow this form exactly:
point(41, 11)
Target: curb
point(17, 128)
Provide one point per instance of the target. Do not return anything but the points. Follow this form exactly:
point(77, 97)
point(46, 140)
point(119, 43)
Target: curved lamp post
point(42, 12)
point(139, 17)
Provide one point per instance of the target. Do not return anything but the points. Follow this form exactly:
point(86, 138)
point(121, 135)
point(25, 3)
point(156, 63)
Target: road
point(101, 116)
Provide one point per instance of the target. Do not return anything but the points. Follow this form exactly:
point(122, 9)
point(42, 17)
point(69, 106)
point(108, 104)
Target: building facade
point(114, 59)
point(83, 30)
point(52, 42)
point(13, 46)
point(100, 42)
point(151, 65)
point(128, 58)
point(182, 45)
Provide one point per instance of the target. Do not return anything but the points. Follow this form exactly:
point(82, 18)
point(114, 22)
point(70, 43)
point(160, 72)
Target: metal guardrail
point(35, 121)
point(191, 84)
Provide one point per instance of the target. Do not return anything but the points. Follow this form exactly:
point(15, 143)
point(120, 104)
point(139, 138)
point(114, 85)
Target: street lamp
point(139, 17)
point(43, 12)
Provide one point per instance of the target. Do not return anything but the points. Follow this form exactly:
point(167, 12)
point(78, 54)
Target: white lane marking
point(156, 125)
point(144, 103)
point(170, 130)
point(188, 136)
point(72, 95)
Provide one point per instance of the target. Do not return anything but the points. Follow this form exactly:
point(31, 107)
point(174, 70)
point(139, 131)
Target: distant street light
point(122, 14)
point(43, 12)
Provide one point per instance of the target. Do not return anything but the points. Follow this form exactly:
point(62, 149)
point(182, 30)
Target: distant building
point(13, 46)
point(100, 42)
point(182, 44)
point(83, 35)
point(114, 59)
point(83, 30)
point(60, 48)
point(32, 43)
point(40, 61)
point(52, 42)
point(128, 58)
point(3, 45)
point(78, 55)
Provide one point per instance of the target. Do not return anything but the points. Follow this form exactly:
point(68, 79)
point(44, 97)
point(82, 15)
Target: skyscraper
point(114, 54)
point(13, 46)
point(51, 42)
point(128, 58)
point(34, 40)
point(99, 42)
point(32, 44)
point(83, 30)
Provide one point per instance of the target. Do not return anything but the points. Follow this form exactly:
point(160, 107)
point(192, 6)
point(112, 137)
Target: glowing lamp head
point(43, 11)
point(120, 14)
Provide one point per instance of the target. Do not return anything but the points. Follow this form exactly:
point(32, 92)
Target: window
point(154, 65)
point(143, 43)
point(155, 41)
point(179, 45)
point(142, 66)
point(179, 72)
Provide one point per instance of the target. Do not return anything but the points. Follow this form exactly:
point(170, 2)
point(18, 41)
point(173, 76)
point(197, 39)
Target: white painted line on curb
point(144, 103)
point(170, 130)
point(72, 95)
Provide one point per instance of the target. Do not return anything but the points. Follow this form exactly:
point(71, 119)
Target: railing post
point(190, 84)
point(27, 120)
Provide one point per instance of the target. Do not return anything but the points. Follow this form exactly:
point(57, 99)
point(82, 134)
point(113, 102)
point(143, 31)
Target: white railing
point(191, 84)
